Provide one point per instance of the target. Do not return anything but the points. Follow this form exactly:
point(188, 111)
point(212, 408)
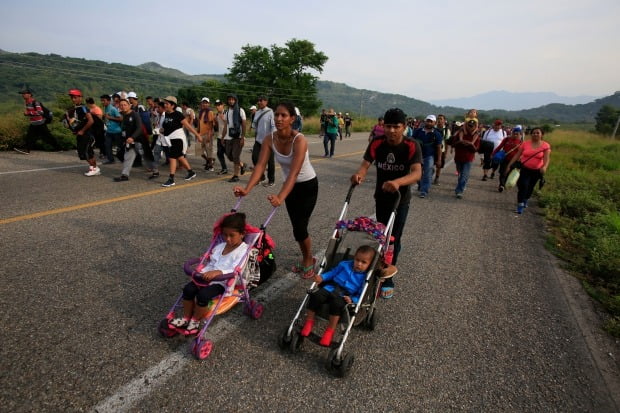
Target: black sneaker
point(235, 178)
point(223, 172)
point(155, 175)
point(242, 169)
point(266, 184)
point(190, 176)
point(121, 178)
point(484, 178)
point(169, 182)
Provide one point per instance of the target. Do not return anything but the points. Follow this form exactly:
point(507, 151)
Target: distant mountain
point(157, 68)
point(504, 100)
point(52, 75)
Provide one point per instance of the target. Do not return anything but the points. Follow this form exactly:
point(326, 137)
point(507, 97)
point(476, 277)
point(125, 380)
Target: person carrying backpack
point(39, 116)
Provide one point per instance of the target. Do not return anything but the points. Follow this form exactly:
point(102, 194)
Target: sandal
point(299, 268)
point(308, 273)
point(387, 292)
point(192, 327)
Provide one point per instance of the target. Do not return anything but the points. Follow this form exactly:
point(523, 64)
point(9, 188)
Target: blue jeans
point(110, 140)
point(331, 138)
point(428, 164)
point(463, 169)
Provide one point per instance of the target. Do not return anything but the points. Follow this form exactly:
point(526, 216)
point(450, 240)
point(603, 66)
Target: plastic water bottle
point(389, 252)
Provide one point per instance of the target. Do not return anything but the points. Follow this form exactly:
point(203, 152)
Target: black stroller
point(348, 235)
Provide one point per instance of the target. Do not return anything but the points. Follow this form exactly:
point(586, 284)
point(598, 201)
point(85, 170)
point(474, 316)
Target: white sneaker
point(93, 171)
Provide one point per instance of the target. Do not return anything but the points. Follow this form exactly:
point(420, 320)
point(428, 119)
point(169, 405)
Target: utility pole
point(613, 135)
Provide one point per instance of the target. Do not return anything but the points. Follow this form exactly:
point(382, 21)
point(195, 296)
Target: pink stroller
point(256, 266)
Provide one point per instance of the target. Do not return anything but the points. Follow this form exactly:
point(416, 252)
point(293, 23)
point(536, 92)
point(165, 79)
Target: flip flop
point(387, 292)
point(308, 272)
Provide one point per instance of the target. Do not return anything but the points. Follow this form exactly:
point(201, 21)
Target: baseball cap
point(431, 117)
point(205, 99)
point(25, 90)
point(218, 102)
point(132, 95)
point(252, 107)
point(497, 122)
point(517, 129)
point(75, 92)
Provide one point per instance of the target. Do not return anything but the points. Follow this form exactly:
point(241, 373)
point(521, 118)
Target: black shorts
point(176, 148)
point(85, 146)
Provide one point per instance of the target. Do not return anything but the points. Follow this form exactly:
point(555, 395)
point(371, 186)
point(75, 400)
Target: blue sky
point(431, 50)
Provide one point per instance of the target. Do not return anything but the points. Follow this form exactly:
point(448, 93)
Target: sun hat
point(171, 99)
point(331, 112)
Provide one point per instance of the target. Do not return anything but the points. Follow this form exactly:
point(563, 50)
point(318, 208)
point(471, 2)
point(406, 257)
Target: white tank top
point(307, 171)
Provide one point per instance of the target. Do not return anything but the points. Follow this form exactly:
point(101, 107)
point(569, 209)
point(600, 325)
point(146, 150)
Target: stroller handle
point(237, 204)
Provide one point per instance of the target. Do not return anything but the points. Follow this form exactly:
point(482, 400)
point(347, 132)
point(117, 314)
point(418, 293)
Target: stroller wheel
point(201, 348)
point(371, 319)
point(257, 310)
point(296, 342)
point(339, 367)
point(164, 330)
point(284, 341)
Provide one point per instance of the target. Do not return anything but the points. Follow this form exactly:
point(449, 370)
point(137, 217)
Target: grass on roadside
point(582, 207)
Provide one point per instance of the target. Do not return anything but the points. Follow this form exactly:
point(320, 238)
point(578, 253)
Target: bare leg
point(183, 161)
point(173, 166)
point(333, 321)
point(188, 308)
point(306, 250)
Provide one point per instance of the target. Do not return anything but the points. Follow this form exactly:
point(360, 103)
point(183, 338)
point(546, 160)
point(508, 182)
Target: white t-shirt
point(494, 136)
point(225, 263)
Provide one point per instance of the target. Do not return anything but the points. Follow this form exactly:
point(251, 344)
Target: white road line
point(128, 395)
point(41, 169)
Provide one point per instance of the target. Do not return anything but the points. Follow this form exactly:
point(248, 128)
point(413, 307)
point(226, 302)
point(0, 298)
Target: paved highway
point(482, 319)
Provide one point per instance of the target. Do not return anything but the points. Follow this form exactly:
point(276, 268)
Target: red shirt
point(34, 111)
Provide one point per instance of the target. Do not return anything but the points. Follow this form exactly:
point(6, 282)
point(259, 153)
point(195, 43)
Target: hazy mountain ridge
point(505, 100)
point(50, 75)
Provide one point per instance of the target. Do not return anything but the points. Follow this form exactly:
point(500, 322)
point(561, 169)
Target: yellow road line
point(129, 197)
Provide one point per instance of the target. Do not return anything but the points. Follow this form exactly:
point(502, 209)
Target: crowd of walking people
point(405, 151)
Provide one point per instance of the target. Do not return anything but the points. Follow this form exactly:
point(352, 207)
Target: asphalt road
point(483, 318)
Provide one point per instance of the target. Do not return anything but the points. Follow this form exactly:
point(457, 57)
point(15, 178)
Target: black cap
point(25, 90)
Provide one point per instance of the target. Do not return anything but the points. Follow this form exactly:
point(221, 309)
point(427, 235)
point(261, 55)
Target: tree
point(606, 119)
point(193, 94)
point(281, 73)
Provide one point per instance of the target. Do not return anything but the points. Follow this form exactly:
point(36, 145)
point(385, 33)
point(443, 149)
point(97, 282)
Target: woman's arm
point(546, 156)
point(190, 128)
point(515, 158)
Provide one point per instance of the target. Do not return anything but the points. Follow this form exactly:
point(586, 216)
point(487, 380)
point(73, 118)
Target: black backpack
point(47, 114)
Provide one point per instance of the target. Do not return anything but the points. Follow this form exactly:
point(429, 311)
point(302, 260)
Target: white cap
point(132, 95)
point(431, 117)
point(252, 107)
point(205, 99)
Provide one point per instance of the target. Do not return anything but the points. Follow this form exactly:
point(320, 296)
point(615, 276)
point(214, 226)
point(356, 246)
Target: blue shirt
point(428, 141)
point(344, 276)
point(112, 125)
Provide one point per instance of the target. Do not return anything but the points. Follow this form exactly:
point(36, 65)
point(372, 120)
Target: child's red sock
point(305, 332)
point(326, 340)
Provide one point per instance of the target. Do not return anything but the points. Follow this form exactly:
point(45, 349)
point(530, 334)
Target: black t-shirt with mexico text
point(393, 162)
